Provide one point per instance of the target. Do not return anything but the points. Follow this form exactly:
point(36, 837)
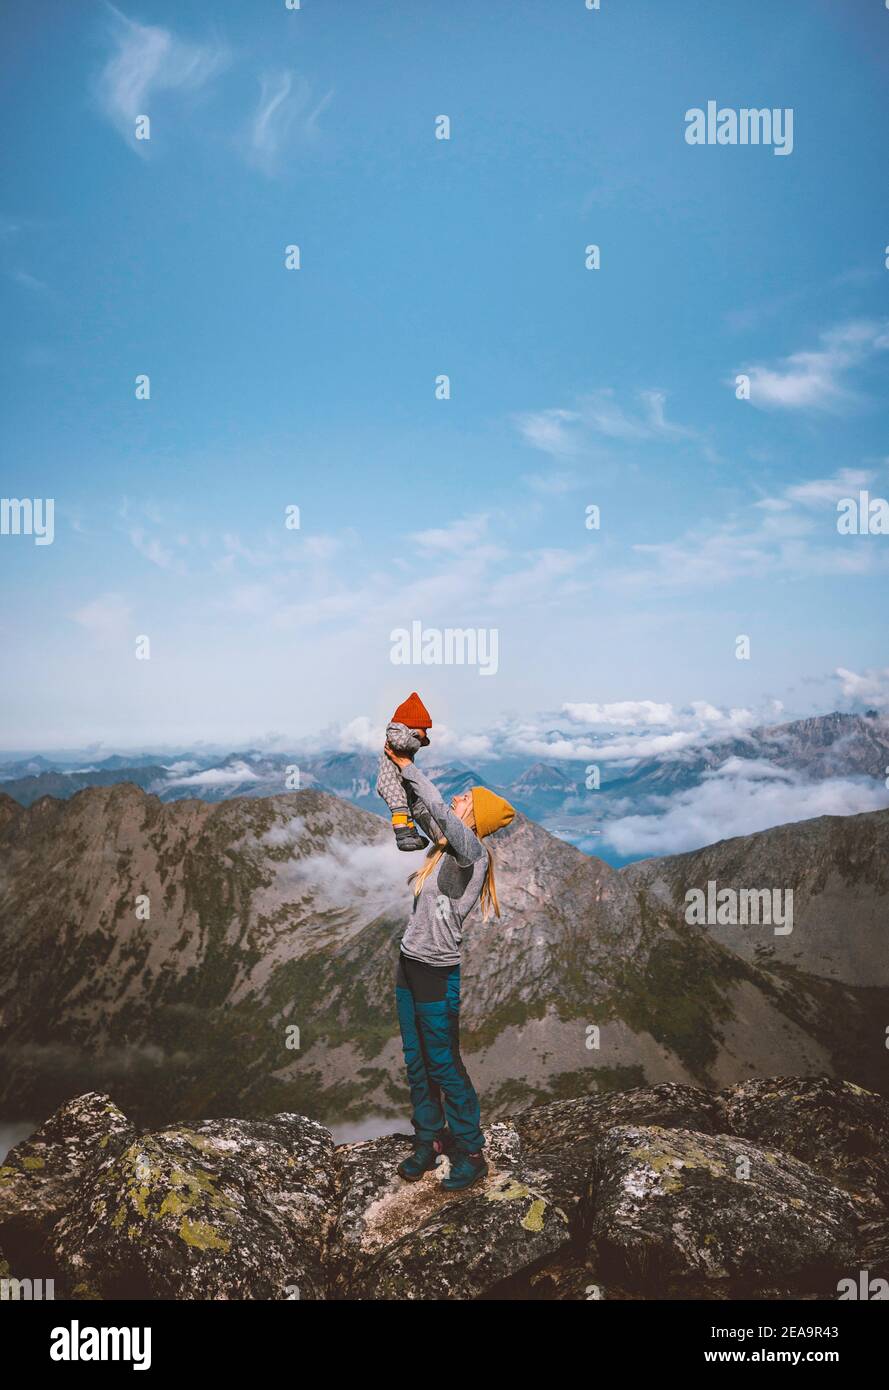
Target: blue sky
point(419, 256)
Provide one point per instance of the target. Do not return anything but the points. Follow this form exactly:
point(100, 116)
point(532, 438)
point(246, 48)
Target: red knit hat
point(413, 713)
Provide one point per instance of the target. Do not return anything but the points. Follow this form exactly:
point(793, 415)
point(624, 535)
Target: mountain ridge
point(269, 914)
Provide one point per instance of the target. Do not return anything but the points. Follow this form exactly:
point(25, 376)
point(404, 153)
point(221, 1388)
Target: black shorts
point(427, 983)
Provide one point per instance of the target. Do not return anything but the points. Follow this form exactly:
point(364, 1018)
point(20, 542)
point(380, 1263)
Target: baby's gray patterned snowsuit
point(390, 787)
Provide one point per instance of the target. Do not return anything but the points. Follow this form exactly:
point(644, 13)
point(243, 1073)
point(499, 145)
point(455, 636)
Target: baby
point(407, 735)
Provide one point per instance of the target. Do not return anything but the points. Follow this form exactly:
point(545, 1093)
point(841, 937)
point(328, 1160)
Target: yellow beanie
point(491, 811)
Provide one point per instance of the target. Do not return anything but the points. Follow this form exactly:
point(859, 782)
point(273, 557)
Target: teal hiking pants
point(428, 1002)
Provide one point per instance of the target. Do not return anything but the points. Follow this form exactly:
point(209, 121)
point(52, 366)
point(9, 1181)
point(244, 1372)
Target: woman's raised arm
point(466, 845)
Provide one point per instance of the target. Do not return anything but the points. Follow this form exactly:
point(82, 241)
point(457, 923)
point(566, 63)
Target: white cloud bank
point(870, 689)
point(739, 798)
point(217, 777)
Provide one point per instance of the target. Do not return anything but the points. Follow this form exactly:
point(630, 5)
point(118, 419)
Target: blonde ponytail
point(489, 900)
point(433, 857)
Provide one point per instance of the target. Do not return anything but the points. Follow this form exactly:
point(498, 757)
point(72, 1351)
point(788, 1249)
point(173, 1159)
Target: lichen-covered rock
point(40, 1176)
point(229, 1209)
point(477, 1240)
point(562, 1135)
point(377, 1208)
point(416, 1241)
point(664, 1207)
point(836, 1127)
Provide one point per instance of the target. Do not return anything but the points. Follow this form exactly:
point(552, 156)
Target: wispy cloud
point(28, 281)
point(551, 431)
point(566, 433)
point(107, 618)
point(453, 538)
point(753, 315)
point(286, 116)
point(551, 484)
point(723, 553)
point(784, 535)
point(442, 575)
point(818, 492)
point(146, 60)
point(153, 549)
point(817, 379)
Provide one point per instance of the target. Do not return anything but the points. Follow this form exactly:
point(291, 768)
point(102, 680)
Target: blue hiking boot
point(422, 1160)
point(466, 1169)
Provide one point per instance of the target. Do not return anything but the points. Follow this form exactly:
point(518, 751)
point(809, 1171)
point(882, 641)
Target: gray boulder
point(836, 1127)
point(40, 1176)
point(395, 1240)
point(231, 1209)
point(666, 1208)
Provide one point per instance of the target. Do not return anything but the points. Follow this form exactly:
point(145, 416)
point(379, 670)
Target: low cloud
point(625, 714)
point(364, 735)
point(622, 731)
point(739, 798)
point(217, 777)
point(652, 729)
point(870, 690)
point(346, 876)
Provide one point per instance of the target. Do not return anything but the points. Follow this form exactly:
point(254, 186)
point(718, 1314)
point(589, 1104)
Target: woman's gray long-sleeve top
point(435, 929)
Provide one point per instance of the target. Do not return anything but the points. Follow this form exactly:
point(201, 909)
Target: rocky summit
point(771, 1189)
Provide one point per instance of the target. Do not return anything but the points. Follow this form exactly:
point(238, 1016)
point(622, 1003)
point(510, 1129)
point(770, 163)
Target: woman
point(457, 873)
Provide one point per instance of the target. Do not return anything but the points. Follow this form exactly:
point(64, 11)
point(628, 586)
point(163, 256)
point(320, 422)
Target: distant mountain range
point(203, 958)
point(850, 747)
